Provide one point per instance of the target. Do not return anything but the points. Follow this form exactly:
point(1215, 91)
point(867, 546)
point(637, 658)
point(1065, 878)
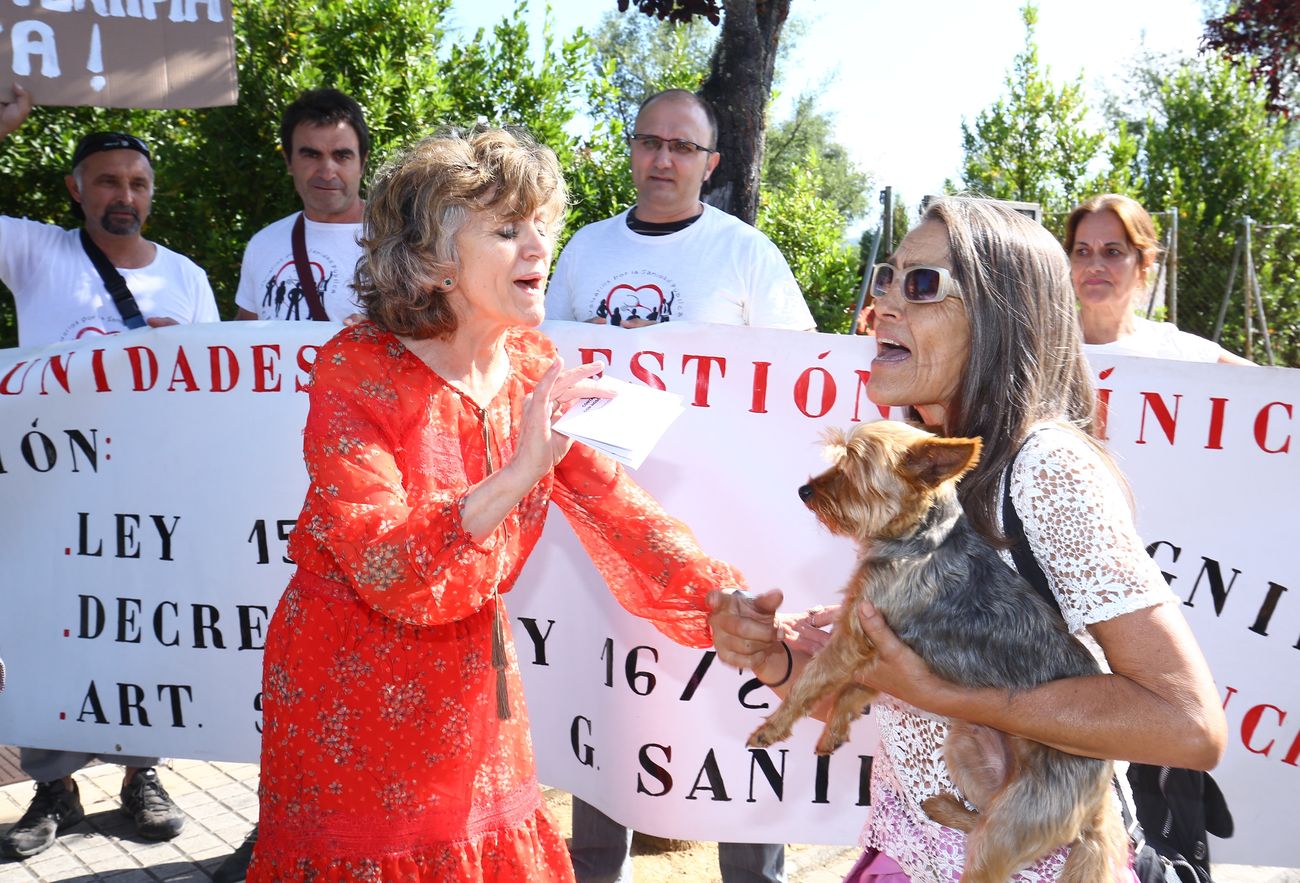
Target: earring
point(446, 283)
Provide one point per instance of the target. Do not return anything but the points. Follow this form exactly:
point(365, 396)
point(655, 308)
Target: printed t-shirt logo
point(284, 293)
point(636, 302)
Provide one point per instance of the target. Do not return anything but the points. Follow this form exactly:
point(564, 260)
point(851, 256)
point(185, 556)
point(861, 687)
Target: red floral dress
point(383, 754)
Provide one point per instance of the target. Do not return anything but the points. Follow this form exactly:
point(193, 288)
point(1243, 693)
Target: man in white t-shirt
point(672, 258)
point(58, 293)
point(325, 142)
point(61, 296)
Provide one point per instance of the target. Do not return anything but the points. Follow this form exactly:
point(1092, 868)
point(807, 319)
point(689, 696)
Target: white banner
point(149, 481)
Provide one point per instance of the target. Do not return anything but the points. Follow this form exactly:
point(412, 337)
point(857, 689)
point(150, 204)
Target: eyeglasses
point(677, 146)
point(921, 285)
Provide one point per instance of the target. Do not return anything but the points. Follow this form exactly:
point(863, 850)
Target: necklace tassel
point(499, 662)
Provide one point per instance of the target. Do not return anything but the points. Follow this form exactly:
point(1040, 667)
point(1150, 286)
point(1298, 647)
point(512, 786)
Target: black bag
point(1175, 807)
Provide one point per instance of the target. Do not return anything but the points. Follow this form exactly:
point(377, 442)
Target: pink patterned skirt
point(876, 867)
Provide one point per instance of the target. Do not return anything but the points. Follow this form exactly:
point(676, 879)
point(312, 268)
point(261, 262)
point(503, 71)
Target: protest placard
point(120, 53)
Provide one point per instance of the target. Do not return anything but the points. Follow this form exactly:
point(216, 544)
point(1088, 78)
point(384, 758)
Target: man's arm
point(775, 299)
point(245, 290)
point(559, 291)
point(13, 110)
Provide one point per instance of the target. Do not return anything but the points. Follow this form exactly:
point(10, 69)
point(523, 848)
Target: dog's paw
point(950, 812)
point(829, 742)
point(766, 735)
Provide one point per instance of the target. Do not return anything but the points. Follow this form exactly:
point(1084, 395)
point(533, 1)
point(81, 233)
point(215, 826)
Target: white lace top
point(1079, 525)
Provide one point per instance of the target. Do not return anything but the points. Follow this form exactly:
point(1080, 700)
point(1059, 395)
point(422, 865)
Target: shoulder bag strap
point(1028, 567)
point(306, 279)
point(1012, 527)
point(113, 282)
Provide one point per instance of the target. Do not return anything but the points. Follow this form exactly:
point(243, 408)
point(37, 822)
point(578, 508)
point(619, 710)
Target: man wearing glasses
point(670, 257)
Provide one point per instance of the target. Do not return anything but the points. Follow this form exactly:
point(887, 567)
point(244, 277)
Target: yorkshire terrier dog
point(945, 592)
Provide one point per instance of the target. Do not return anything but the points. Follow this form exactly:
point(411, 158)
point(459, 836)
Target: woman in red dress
point(396, 742)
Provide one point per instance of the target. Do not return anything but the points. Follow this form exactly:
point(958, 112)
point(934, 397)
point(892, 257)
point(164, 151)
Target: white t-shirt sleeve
point(23, 245)
point(1187, 346)
point(559, 290)
point(245, 295)
point(205, 307)
point(775, 300)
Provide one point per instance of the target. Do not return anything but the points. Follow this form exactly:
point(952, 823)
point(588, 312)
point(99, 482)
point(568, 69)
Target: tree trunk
point(738, 87)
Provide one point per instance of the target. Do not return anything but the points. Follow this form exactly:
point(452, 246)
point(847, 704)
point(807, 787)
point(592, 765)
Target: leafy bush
point(809, 230)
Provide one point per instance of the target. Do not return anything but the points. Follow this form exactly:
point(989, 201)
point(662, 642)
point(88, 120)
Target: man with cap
point(60, 280)
point(58, 290)
point(325, 142)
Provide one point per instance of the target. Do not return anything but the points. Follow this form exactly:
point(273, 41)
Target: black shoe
point(146, 801)
point(54, 809)
point(235, 868)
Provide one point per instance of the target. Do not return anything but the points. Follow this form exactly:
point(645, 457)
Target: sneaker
point(54, 808)
point(235, 868)
point(146, 801)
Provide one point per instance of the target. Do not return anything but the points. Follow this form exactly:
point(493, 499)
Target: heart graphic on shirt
point(631, 298)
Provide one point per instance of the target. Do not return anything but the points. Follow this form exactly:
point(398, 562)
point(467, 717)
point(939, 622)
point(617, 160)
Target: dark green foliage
point(676, 10)
point(641, 56)
point(789, 141)
point(1213, 150)
point(809, 231)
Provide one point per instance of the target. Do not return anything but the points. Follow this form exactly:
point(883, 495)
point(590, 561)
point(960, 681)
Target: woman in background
point(1112, 245)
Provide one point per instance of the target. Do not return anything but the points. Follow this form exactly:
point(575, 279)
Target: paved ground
point(221, 802)
point(219, 798)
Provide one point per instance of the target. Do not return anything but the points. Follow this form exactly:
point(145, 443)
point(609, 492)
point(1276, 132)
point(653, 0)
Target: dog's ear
point(932, 461)
point(834, 445)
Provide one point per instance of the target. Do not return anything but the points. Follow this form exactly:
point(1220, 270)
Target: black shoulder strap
point(1026, 564)
point(113, 281)
point(306, 281)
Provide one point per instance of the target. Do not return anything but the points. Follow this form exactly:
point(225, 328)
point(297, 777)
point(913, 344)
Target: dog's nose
point(805, 492)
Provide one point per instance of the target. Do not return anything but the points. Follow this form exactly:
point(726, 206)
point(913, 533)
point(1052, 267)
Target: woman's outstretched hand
point(807, 631)
point(747, 632)
point(14, 110)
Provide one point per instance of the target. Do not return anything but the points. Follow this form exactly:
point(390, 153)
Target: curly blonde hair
point(420, 200)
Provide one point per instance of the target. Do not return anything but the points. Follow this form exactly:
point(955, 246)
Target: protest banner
point(150, 480)
point(120, 53)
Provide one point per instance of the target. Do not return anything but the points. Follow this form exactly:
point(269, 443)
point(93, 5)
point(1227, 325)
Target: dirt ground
point(656, 860)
